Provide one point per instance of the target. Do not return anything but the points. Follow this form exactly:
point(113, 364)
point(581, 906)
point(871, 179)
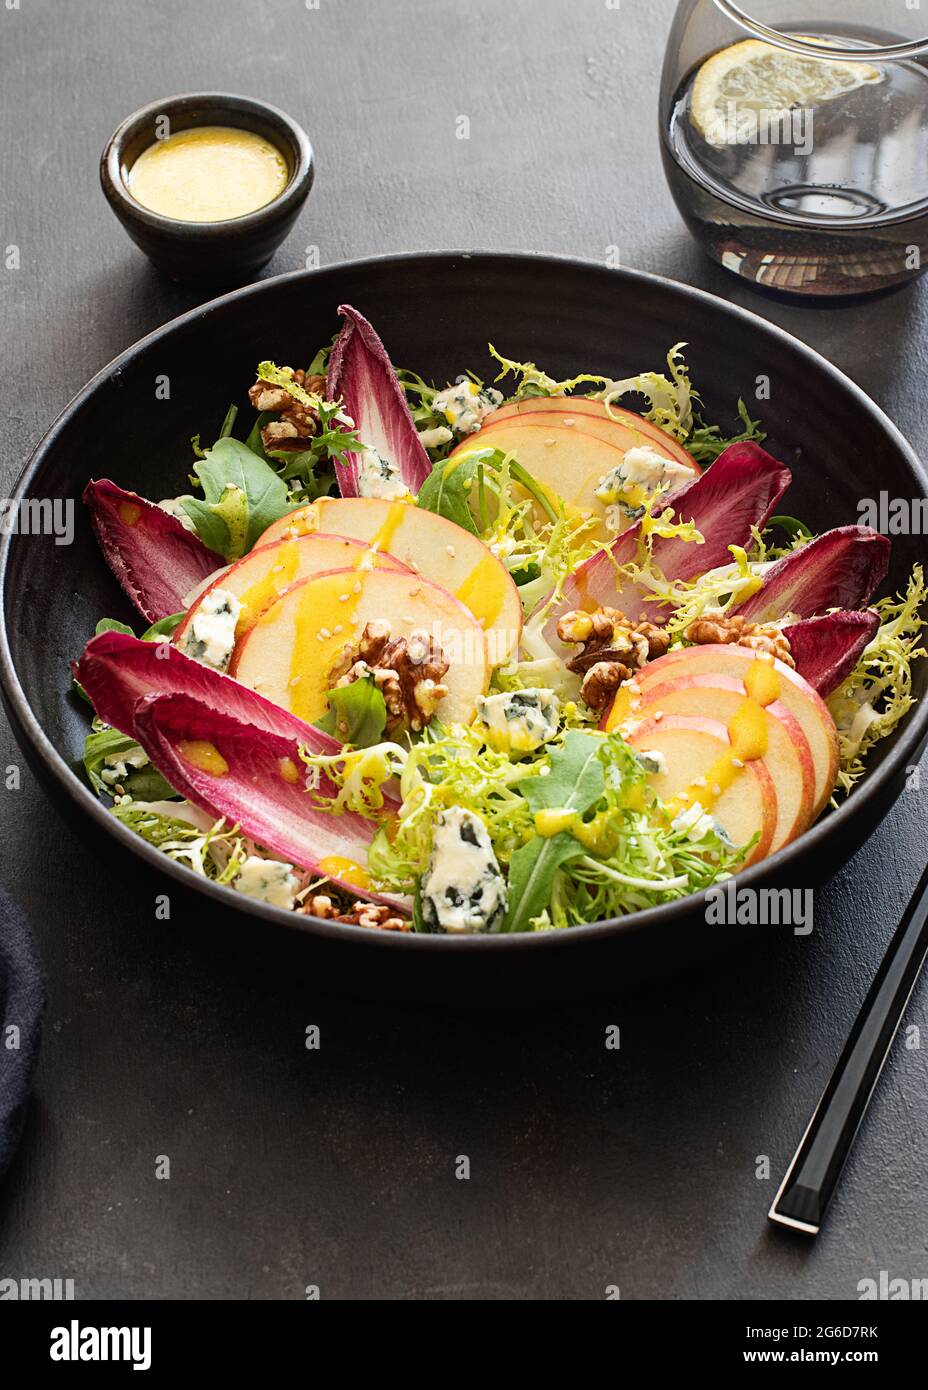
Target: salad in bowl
point(483, 658)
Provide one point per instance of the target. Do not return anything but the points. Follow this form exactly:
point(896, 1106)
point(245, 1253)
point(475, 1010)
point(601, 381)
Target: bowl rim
point(291, 195)
point(908, 746)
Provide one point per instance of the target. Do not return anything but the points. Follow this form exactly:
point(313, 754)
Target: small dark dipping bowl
point(208, 253)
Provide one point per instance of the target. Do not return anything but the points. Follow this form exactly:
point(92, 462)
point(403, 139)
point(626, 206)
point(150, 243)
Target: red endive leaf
point(737, 492)
point(360, 373)
point(255, 779)
point(840, 569)
point(827, 649)
point(117, 670)
point(156, 560)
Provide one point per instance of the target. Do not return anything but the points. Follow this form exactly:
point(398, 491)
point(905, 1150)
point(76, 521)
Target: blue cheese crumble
point(268, 881)
point(652, 760)
point(378, 477)
point(642, 474)
point(463, 889)
point(436, 438)
point(116, 767)
point(696, 823)
point(519, 721)
point(465, 405)
point(211, 634)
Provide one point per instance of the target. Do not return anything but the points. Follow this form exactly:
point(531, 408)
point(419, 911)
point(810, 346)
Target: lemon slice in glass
point(731, 87)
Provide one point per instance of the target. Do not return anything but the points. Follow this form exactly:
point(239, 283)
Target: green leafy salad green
point(540, 813)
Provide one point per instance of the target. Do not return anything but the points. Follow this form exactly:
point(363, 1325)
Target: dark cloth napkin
point(22, 1002)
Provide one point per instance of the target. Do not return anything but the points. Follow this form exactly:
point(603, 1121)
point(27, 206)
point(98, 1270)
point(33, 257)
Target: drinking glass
point(799, 159)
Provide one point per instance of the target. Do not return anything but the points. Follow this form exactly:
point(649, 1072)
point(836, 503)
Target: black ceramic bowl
point(436, 314)
point(208, 253)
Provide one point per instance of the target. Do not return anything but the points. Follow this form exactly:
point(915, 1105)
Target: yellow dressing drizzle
point(621, 708)
point(129, 513)
point(269, 587)
point(203, 755)
point(315, 645)
point(382, 539)
point(482, 591)
point(289, 770)
point(306, 519)
point(552, 822)
point(347, 870)
point(748, 735)
point(597, 835)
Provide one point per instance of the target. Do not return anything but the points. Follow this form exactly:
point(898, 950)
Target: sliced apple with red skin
point(569, 462)
point(691, 747)
point(437, 549)
point(261, 576)
point(591, 415)
point(788, 757)
point(289, 652)
point(795, 693)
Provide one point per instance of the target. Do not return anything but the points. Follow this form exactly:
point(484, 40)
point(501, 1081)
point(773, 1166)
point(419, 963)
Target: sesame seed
point(343, 598)
point(296, 680)
point(451, 550)
point(737, 762)
point(549, 443)
point(568, 423)
point(323, 634)
point(716, 789)
point(658, 716)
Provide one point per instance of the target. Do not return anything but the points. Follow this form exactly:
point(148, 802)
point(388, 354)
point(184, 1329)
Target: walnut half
point(760, 637)
point(612, 649)
point(296, 423)
point(360, 914)
point(408, 671)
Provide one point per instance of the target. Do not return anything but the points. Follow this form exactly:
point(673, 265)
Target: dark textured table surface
point(336, 1168)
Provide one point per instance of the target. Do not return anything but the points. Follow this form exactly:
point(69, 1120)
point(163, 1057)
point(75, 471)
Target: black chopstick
point(813, 1175)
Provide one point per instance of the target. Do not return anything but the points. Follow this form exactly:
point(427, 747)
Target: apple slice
point(804, 703)
point(788, 757)
point(261, 576)
point(434, 547)
point(567, 460)
point(288, 653)
point(588, 413)
point(691, 747)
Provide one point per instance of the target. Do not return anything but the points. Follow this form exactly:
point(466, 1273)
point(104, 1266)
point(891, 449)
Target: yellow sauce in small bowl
point(209, 173)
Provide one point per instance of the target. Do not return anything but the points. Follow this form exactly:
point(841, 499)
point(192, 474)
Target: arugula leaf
point(254, 442)
point(576, 781)
point(242, 496)
point(446, 490)
point(142, 783)
point(164, 627)
point(112, 625)
point(531, 877)
point(793, 527)
point(357, 713)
